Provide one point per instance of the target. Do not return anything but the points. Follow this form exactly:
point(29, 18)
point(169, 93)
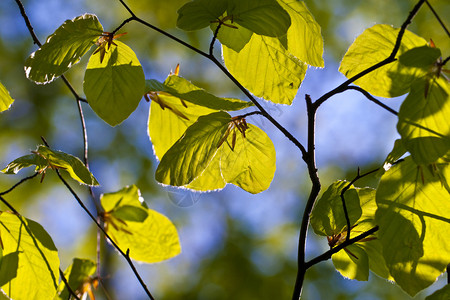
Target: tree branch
point(372, 98)
point(64, 279)
point(19, 183)
point(327, 255)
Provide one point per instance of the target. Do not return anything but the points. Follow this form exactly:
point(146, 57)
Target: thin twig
point(251, 114)
point(437, 17)
point(19, 183)
point(63, 278)
point(9, 206)
point(327, 255)
point(105, 233)
point(372, 98)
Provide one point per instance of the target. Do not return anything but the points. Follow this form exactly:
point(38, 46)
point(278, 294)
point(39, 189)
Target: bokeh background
point(235, 245)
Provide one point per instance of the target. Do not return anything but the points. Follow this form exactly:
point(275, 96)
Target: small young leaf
point(192, 153)
point(44, 158)
point(371, 47)
point(30, 264)
point(63, 48)
point(199, 14)
point(149, 240)
point(423, 120)
point(308, 48)
point(5, 98)
point(79, 273)
point(263, 17)
point(413, 210)
point(266, 69)
point(328, 216)
point(251, 164)
point(115, 86)
point(352, 262)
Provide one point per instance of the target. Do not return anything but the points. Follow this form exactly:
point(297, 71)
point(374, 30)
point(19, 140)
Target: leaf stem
point(64, 279)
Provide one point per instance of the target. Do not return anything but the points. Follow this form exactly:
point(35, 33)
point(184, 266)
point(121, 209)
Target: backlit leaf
point(413, 215)
point(352, 262)
point(192, 153)
point(328, 216)
point(266, 69)
point(5, 98)
point(151, 240)
point(371, 47)
point(235, 37)
point(424, 120)
point(420, 57)
point(30, 264)
point(251, 164)
point(80, 272)
point(304, 38)
point(45, 158)
point(115, 86)
point(63, 48)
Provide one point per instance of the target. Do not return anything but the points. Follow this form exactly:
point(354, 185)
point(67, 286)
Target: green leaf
point(251, 164)
point(211, 178)
point(352, 262)
point(63, 48)
point(423, 120)
point(30, 264)
point(413, 210)
point(151, 240)
point(371, 47)
point(266, 69)
point(235, 37)
point(5, 98)
point(308, 48)
point(183, 89)
point(199, 14)
point(263, 17)
point(115, 86)
point(192, 153)
point(327, 217)
point(420, 57)
point(45, 158)
point(166, 126)
point(78, 273)
point(442, 294)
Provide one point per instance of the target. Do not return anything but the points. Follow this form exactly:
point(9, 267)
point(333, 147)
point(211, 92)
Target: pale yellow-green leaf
point(352, 262)
point(413, 215)
point(192, 153)
point(30, 265)
point(165, 126)
point(211, 179)
point(251, 165)
point(266, 69)
point(5, 98)
point(152, 240)
point(371, 47)
point(114, 86)
point(304, 38)
point(424, 120)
